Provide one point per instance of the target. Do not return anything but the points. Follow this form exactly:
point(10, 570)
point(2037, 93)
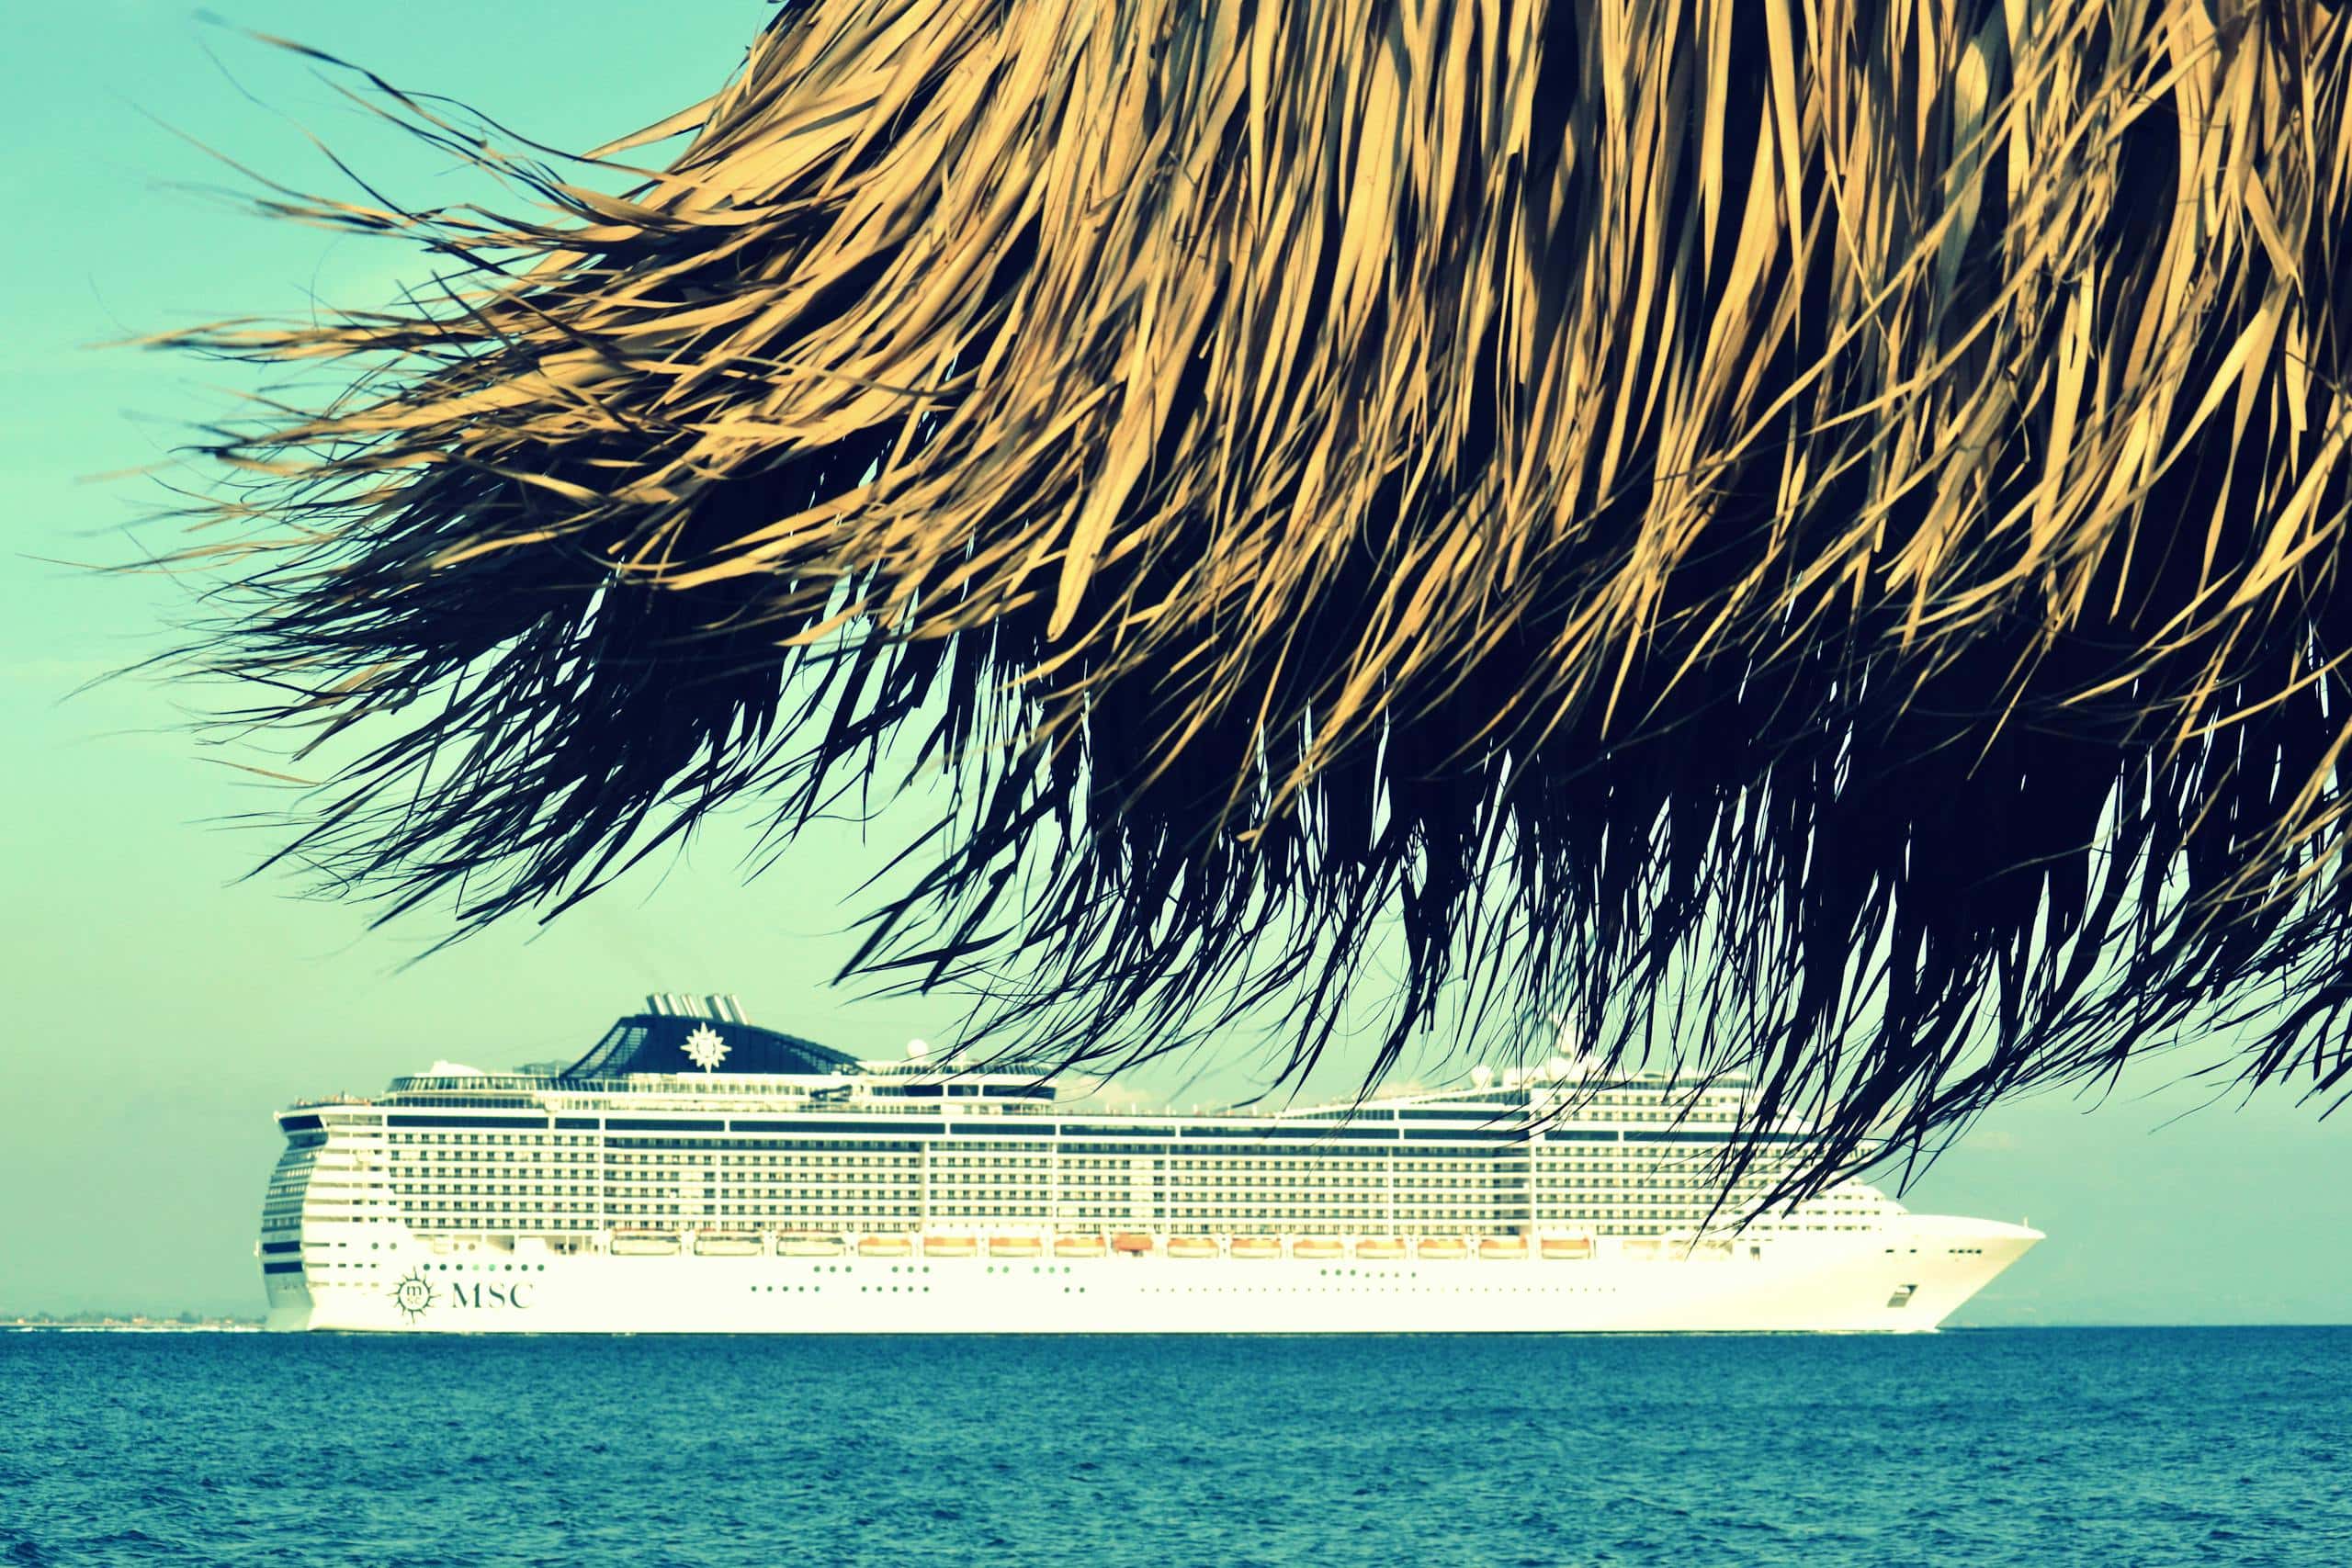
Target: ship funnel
point(677, 1004)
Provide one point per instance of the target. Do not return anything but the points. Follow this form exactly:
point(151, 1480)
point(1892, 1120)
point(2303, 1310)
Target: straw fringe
point(1809, 534)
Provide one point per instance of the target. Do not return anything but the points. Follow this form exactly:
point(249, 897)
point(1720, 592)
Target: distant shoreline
point(253, 1325)
point(133, 1324)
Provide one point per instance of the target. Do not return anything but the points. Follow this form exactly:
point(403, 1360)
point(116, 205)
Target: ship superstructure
point(694, 1172)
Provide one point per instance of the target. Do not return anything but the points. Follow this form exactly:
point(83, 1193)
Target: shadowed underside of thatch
point(1807, 532)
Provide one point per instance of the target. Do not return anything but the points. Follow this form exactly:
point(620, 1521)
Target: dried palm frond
point(1808, 536)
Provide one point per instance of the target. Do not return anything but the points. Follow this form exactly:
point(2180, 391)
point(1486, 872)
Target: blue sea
point(2048, 1445)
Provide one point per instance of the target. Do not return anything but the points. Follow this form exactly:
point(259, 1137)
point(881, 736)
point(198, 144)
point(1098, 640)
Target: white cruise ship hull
point(641, 1189)
point(1907, 1279)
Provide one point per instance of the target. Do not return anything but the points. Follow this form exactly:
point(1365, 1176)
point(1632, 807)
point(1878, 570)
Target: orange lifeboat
point(1078, 1246)
point(644, 1244)
point(1256, 1246)
point(1316, 1247)
point(1136, 1242)
point(1444, 1248)
point(1016, 1247)
point(1190, 1247)
point(1572, 1247)
point(1503, 1248)
point(886, 1247)
point(950, 1247)
point(1380, 1249)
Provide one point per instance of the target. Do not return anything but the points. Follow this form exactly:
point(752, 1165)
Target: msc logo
point(489, 1294)
point(415, 1296)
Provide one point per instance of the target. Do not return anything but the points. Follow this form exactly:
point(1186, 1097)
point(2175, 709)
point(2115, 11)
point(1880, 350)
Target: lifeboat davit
point(1574, 1248)
point(1505, 1248)
point(950, 1247)
point(1136, 1242)
point(1078, 1246)
point(1016, 1247)
point(1316, 1247)
point(1380, 1249)
point(886, 1247)
point(1190, 1247)
point(1444, 1248)
point(1256, 1246)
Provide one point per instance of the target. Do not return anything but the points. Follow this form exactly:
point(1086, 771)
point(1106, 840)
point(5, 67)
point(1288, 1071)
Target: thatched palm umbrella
point(1807, 535)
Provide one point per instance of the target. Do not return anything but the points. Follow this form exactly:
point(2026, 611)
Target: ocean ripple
point(2048, 1445)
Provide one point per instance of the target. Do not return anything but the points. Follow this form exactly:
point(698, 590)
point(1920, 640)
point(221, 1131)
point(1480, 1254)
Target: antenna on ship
point(1567, 1060)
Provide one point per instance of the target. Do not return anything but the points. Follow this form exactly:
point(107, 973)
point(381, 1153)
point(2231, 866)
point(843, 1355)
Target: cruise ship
point(696, 1173)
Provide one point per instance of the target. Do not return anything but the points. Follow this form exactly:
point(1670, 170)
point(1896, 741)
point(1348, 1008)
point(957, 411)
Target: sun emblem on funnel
point(704, 1048)
point(412, 1295)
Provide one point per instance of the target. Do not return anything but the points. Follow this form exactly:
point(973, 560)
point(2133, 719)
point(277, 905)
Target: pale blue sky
point(163, 1008)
